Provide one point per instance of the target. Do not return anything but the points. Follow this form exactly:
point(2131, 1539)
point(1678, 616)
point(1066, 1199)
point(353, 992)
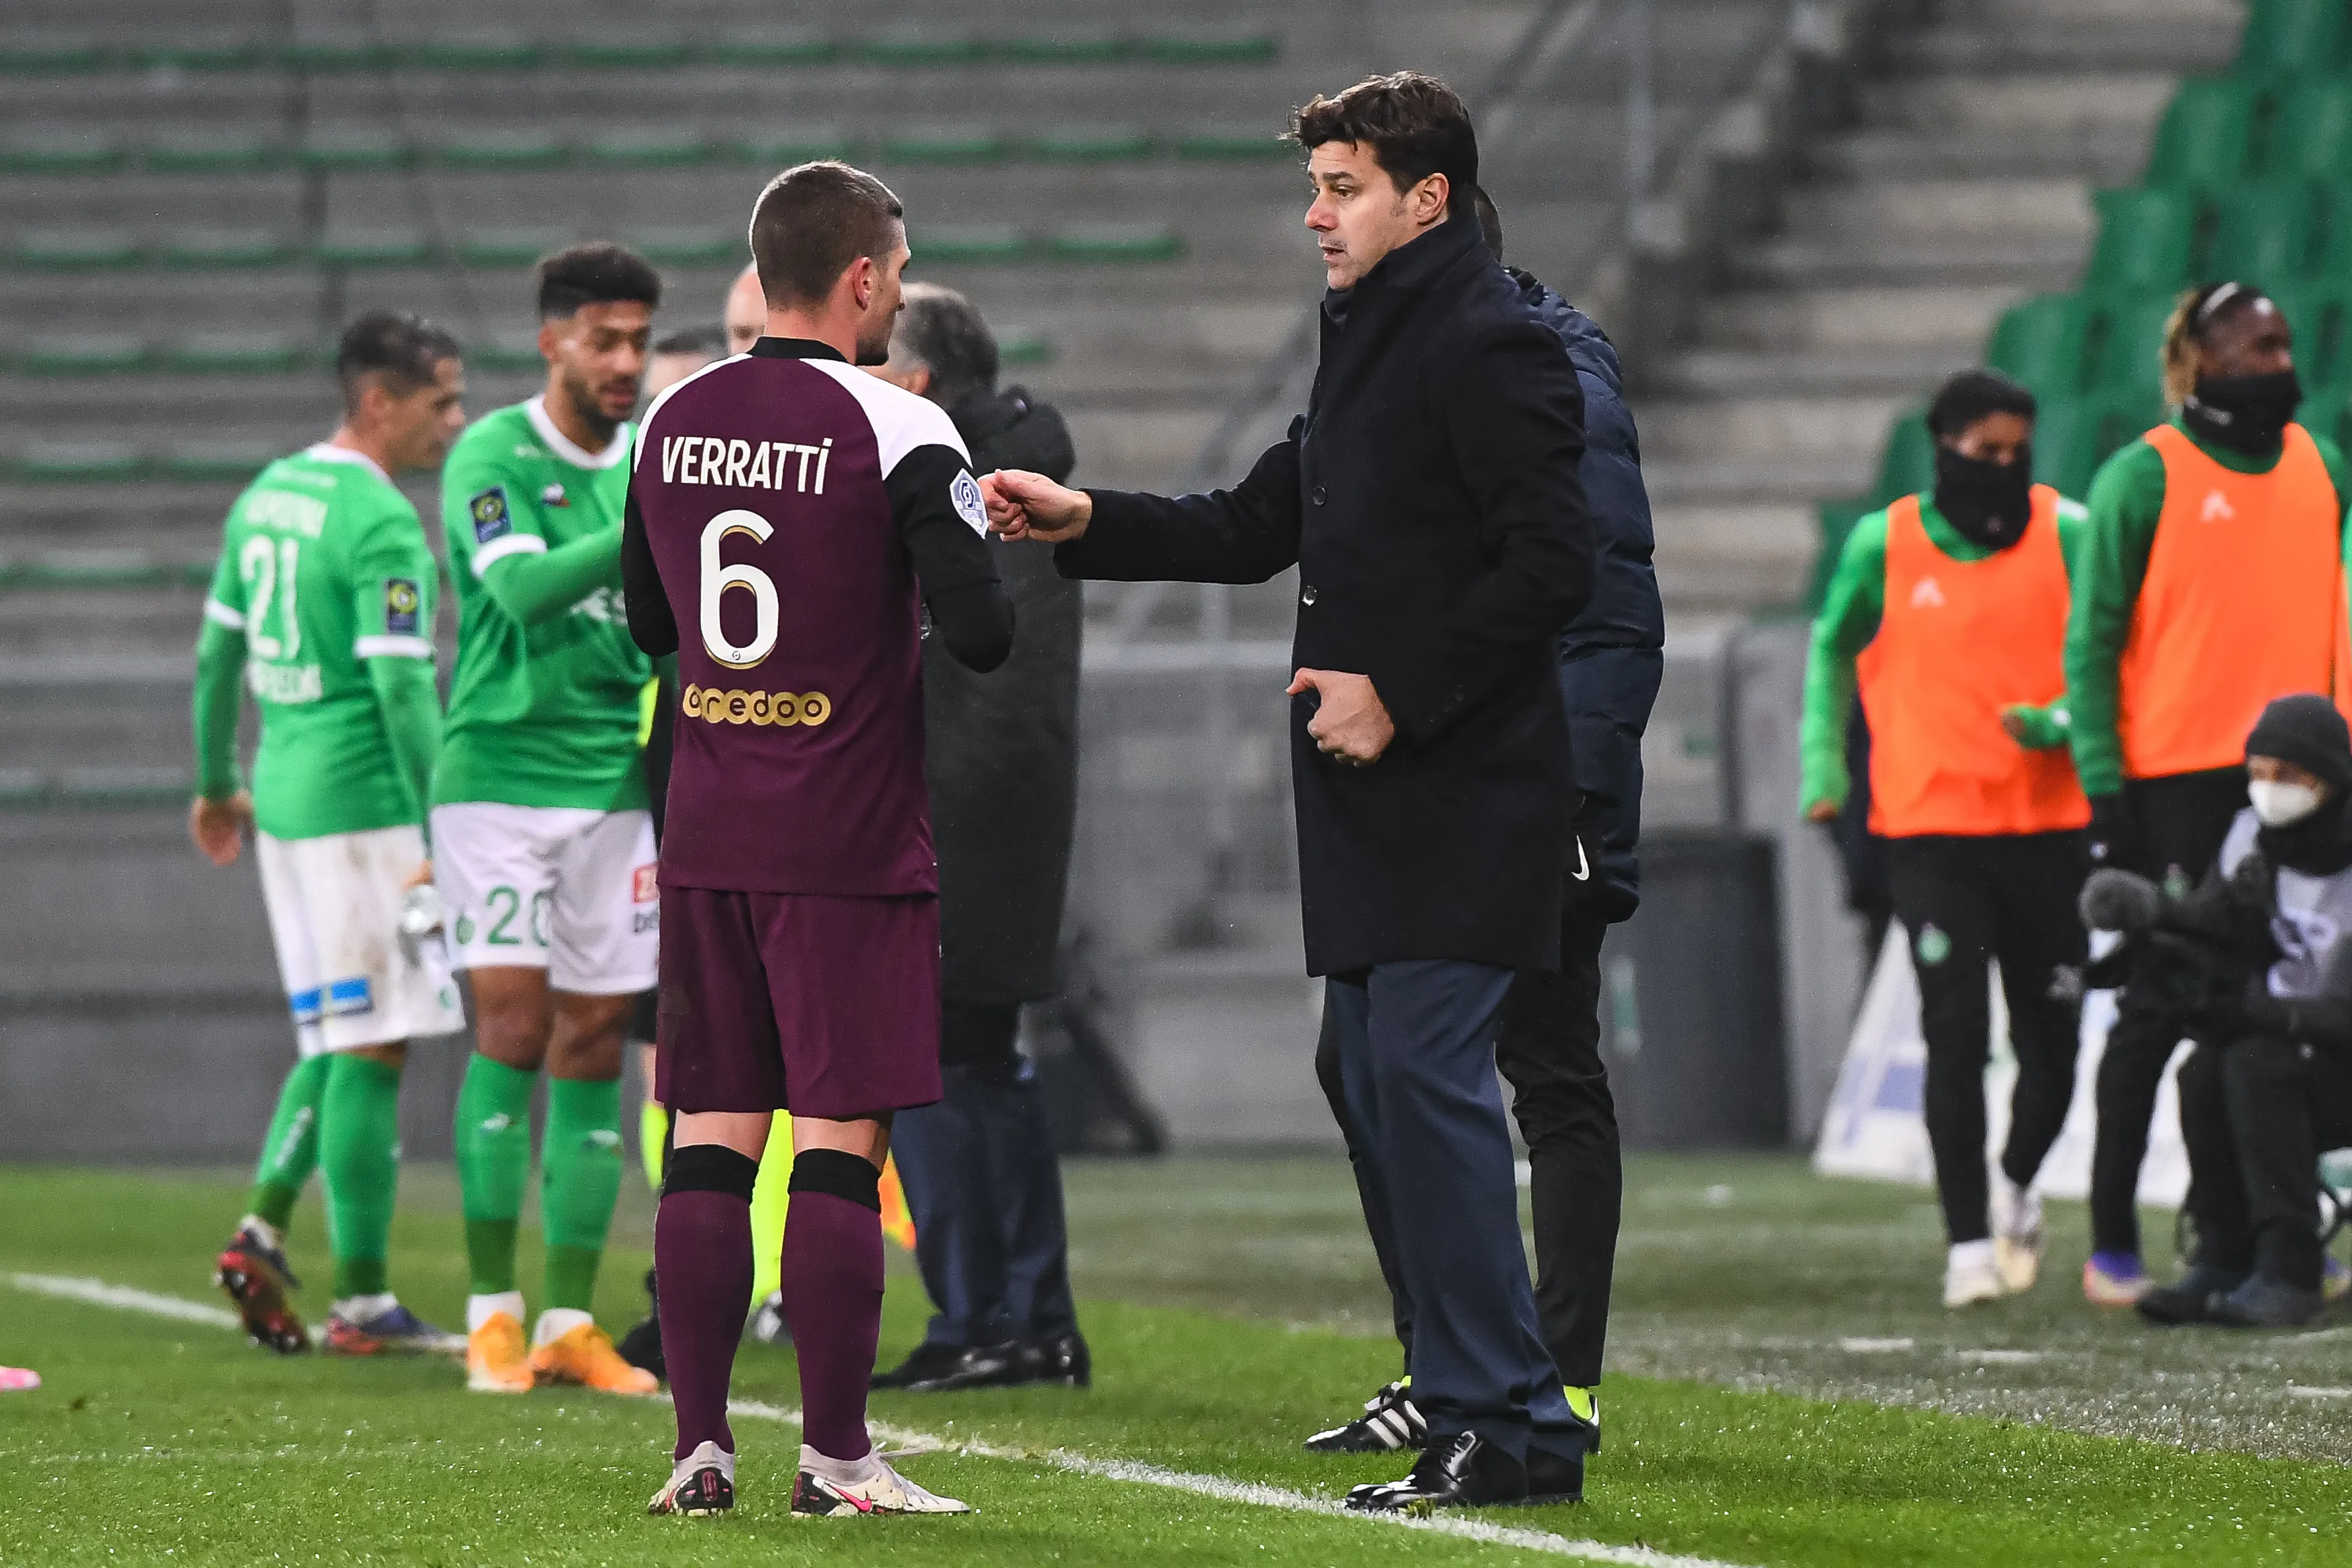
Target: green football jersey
point(323, 566)
point(543, 715)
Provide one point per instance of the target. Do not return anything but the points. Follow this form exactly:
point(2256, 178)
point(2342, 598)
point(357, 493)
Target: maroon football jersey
point(775, 490)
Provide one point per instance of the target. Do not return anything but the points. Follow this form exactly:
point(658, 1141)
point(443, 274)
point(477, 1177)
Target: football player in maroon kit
point(789, 519)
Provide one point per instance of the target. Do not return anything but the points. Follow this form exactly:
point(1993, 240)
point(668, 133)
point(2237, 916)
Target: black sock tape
point(710, 1167)
point(851, 1177)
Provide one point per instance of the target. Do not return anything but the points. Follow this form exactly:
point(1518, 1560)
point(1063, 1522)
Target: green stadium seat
point(1113, 242)
point(482, 52)
point(921, 47)
point(1090, 143)
point(510, 246)
point(354, 149)
point(1908, 464)
point(2040, 342)
point(781, 146)
point(680, 245)
point(102, 569)
point(506, 351)
point(60, 153)
point(2067, 434)
point(1214, 47)
point(1024, 346)
point(2146, 240)
point(646, 149)
point(76, 250)
point(237, 353)
point(2263, 234)
point(201, 151)
point(501, 151)
point(772, 46)
point(2128, 341)
point(1837, 520)
point(338, 56)
point(350, 247)
point(219, 53)
point(945, 144)
point(82, 354)
point(237, 460)
point(54, 55)
point(214, 249)
point(2310, 135)
point(627, 51)
point(2206, 139)
point(2335, 263)
point(2293, 37)
point(1086, 46)
point(2318, 313)
point(951, 243)
point(80, 462)
point(1222, 141)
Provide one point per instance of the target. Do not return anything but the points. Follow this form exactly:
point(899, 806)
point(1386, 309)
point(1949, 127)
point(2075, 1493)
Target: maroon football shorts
point(776, 1001)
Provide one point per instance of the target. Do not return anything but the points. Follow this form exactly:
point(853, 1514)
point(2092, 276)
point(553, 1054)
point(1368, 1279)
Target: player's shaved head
point(814, 221)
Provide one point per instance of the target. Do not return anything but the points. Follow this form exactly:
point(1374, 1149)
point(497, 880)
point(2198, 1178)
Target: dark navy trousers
point(984, 1189)
point(1416, 1049)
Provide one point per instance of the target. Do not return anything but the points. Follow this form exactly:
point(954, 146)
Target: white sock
point(359, 1309)
point(1970, 1255)
point(842, 1472)
point(263, 1231)
point(555, 1322)
point(480, 1310)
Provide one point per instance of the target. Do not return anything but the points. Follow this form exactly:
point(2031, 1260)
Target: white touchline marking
point(1259, 1495)
point(2003, 1357)
point(1874, 1346)
point(2301, 1392)
point(98, 1293)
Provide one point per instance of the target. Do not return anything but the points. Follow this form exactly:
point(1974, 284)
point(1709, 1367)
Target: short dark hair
point(1414, 124)
point(1490, 222)
point(1972, 395)
point(813, 222)
point(948, 335)
point(710, 339)
point(597, 273)
point(400, 346)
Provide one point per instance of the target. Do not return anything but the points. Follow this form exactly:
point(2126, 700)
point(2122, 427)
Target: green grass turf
point(161, 1441)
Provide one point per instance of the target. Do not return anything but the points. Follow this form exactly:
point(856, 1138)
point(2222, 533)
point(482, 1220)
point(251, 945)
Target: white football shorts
point(560, 888)
point(334, 915)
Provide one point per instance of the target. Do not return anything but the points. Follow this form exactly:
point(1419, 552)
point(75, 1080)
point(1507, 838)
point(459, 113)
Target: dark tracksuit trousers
point(2257, 1116)
point(2008, 898)
point(1548, 1048)
point(2181, 819)
point(984, 1189)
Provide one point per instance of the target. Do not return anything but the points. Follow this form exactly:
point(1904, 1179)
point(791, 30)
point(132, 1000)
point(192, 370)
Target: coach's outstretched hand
point(1025, 506)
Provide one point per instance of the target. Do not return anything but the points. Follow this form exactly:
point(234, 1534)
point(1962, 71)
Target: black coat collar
point(1414, 265)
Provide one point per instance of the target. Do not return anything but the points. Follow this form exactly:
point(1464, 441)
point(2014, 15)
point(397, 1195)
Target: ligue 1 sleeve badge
point(969, 504)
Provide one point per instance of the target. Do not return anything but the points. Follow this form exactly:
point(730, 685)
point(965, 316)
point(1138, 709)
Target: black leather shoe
point(1461, 1471)
point(1064, 1360)
point(981, 1367)
point(925, 1360)
point(2264, 1303)
point(1555, 1478)
point(2190, 1298)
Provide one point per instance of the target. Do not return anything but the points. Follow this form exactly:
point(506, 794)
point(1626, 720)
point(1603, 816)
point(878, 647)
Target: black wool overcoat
point(1001, 750)
point(1430, 498)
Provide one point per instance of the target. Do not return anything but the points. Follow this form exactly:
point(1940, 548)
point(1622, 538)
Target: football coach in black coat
point(1431, 500)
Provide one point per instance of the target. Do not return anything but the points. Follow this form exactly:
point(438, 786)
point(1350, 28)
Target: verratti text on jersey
point(708, 460)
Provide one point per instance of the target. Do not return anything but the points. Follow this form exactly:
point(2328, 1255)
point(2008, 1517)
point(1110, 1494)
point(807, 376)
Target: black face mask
point(2245, 413)
point(1989, 503)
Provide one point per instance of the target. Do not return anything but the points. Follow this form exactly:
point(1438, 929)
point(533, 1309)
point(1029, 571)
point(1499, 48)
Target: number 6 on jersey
point(718, 579)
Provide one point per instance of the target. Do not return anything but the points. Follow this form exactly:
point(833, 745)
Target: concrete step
point(1802, 425)
point(1733, 373)
point(90, 622)
point(1786, 478)
point(1862, 320)
point(1733, 556)
point(1806, 260)
point(1959, 209)
point(2015, 103)
point(2108, 155)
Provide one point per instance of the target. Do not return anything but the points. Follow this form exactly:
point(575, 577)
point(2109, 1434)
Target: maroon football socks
point(702, 1269)
point(833, 1296)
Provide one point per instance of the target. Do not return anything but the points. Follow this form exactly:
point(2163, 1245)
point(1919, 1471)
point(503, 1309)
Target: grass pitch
point(1233, 1306)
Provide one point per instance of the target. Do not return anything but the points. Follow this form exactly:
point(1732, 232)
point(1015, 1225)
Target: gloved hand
point(2115, 835)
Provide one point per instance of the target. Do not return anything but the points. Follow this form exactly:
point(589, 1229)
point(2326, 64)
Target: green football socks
point(493, 1145)
point(359, 1151)
point(580, 1180)
point(291, 1150)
